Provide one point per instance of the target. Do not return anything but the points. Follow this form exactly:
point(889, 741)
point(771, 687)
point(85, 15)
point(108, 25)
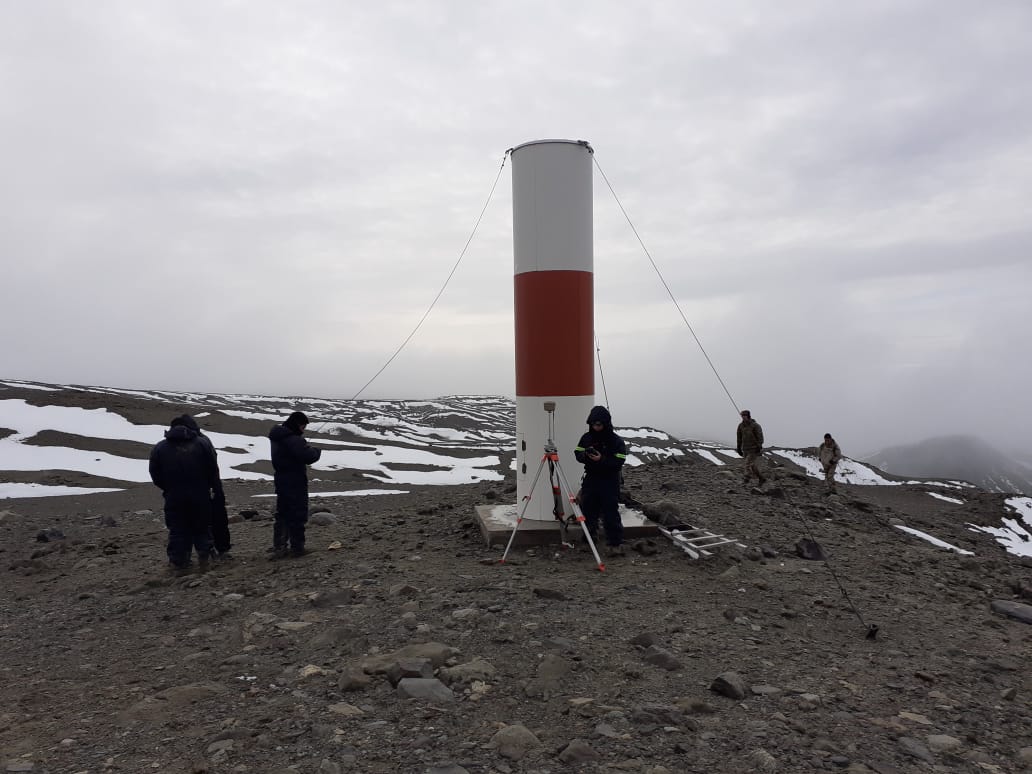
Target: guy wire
point(601, 375)
point(871, 630)
point(440, 292)
point(443, 287)
point(665, 285)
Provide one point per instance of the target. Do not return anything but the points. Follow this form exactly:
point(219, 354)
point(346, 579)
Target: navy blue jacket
point(183, 467)
point(608, 443)
point(290, 454)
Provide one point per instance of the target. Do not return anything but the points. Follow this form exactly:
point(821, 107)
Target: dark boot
point(297, 539)
point(279, 540)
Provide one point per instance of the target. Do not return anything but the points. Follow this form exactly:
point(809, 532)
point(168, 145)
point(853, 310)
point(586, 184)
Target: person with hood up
point(183, 467)
point(290, 456)
point(829, 454)
point(602, 452)
point(750, 446)
point(219, 514)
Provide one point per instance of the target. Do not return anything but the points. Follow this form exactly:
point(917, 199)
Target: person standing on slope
point(602, 452)
point(750, 446)
point(829, 454)
point(290, 456)
point(185, 471)
point(219, 514)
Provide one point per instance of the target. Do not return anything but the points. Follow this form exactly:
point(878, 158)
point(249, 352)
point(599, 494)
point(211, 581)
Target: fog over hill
point(958, 456)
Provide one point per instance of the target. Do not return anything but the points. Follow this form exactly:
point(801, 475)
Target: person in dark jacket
point(219, 514)
point(185, 471)
point(290, 456)
point(750, 446)
point(602, 452)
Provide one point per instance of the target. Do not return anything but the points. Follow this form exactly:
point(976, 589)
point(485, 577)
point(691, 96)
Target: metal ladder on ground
point(696, 541)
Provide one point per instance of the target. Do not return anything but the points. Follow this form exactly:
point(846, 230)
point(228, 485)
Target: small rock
point(645, 547)
point(220, 745)
point(332, 598)
point(730, 684)
point(514, 742)
point(427, 689)
point(577, 751)
point(1011, 609)
point(915, 749)
point(761, 760)
point(664, 659)
point(546, 593)
point(354, 680)
point(404, 590)
point(409, 667)
point(645, 640)
point(939, 743)
point(345, 709)
point(809, 549)
point(470, 672)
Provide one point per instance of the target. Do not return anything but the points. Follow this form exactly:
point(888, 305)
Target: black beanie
point(296, 421)
point(185, 420)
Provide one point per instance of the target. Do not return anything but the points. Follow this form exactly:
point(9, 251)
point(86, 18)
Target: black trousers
point(189, 528)
point(601, 498)
point(291, 518)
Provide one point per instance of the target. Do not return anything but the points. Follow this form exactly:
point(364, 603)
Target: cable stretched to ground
point(440, 292)
point(443, 287)
point(666, 286)
point(601, 375)
point(872, 629)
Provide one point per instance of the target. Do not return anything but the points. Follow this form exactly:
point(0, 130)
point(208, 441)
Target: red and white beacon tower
point(554, 304)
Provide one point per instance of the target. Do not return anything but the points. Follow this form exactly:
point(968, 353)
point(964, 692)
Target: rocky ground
point(402, 645)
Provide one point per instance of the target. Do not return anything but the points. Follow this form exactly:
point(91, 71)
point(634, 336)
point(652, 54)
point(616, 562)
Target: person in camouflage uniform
point(750, 446)
point(829, 454)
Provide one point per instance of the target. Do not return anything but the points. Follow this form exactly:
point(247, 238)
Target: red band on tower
point(554, 333)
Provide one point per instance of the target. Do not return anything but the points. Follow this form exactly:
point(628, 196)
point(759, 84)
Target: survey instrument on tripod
point(560, 489)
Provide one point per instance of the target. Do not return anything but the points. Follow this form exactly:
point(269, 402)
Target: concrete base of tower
point(498, 521)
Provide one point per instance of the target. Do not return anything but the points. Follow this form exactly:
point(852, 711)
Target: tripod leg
point(558, 509)
point(579, 514)
point(523, 510)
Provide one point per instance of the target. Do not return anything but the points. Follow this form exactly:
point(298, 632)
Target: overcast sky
point(266, 197)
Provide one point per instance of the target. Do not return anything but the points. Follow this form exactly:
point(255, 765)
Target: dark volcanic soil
point(545, 664)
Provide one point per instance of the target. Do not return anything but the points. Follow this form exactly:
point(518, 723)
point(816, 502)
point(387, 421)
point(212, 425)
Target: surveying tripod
point(560, 488)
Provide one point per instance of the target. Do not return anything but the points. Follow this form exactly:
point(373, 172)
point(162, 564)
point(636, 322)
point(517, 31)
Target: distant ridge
point(957, 457)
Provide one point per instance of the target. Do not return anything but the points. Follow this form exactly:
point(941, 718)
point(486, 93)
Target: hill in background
point(958, 457)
